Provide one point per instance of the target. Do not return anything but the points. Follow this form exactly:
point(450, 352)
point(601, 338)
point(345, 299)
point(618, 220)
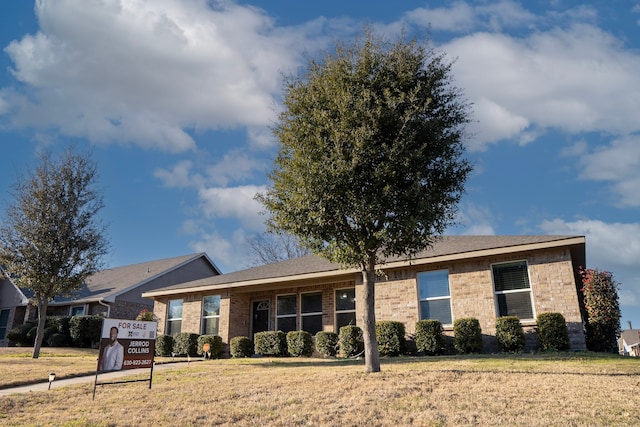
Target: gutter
point(100, 301)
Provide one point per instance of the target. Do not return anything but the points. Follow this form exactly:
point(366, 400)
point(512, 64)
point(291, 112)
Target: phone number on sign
point(137, 362)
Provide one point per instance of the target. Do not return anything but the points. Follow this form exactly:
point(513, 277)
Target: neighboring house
point(630, 342)
point(114, 292)
point(460, 276)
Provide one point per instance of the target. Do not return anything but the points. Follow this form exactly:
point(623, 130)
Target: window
point(512, 288)
point(174, 317)
point(78, 310)
point(4, 320)
point(311, 312)
point(210, 314)
point(286, 310)
point(434, 296)
point(345, 307)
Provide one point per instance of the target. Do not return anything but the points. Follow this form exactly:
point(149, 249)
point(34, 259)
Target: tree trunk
point(371, 356)
point(42, 318)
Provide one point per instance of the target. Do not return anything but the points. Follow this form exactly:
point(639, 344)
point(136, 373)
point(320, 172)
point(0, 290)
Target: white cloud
point(234, 202)
point(576, 79)
point(178, 176)
point(234, 166)
point(145, 71)
point(474, 220)
point(619, 162)
point(610, 246)
point(229, 254)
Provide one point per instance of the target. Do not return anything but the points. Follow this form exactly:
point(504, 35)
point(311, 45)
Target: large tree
point(371, 161)
point(52, 239)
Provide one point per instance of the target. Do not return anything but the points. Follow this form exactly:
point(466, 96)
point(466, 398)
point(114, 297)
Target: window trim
point(84, 310)
point(513, 291)
point(439, 298)
point(204, 318)
point(169, 318)
point(284, 316)
point(335, 307)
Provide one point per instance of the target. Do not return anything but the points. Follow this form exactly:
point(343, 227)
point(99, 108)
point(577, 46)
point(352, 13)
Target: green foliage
point(601, 302)
point(351, 342)
point(59, 340)
point(185, 344)
point(327, 343)
point(553, 334)
point(164, 345)
point(270, 343)
point(18, 335)
point(509, 334)
point(429, 337)
point(61, 323)
point(85, 331)
point(146, 316)
point(241, 347)
point(299, 343)
point(391, 338)
point(215, 345)
point(52, 239)
point(467, 335)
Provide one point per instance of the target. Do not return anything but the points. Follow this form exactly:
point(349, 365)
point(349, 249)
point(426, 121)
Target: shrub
point(270, 343)
point(185, 343)
point(31, 335)
point(429, 337)
point(467, 335)
point(61, 323)
point(552, 332)
point(241, 347)
point(327, 343)
point(299, 343)
point(351, 342)
point(509, 334)
point(390, 336)
point(164, 345)
point(215, 345)
point(602, 304)
point(18, 335)
point(85, 331)
point(59, 340)
point(145, 315)
point(47, 334)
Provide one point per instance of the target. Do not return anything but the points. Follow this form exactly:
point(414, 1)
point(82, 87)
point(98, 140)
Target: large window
point(345, 307)
point(174, 317)
point(210, 314)
point(311, 312)
point(4, 320)
point(512, 289)
point(77, 310)
point(286, 309)
point(434, 296)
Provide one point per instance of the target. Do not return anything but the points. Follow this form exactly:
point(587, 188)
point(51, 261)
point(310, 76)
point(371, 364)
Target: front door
point(260, 316)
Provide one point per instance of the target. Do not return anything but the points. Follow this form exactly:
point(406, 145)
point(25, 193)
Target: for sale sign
point(126, 344)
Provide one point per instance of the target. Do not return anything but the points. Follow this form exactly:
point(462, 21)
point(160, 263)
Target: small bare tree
point(266, 248)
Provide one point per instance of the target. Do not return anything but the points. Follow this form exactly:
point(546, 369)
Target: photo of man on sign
point(113, 353)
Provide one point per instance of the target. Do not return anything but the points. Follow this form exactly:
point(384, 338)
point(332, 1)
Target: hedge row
point(60, 331)
point(188, 344)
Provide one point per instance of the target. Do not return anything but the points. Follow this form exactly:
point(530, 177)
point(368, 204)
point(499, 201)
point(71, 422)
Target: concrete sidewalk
point(102, 378)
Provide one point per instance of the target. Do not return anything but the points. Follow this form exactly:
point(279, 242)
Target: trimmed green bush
point(85, 331)
point(241, 347)
point(18, 336)
point(270, 343)
point(467, 335)
point(391, 338)
point(215, 345)
point(327, 343)
point(351, 342)
point(61, 323)
point(59, 340)
point(299, 344)
point(31, 335)
point(164, 345)
point(509, 334)
point(48, 331)
point(552, 332)
point(185, 344)
point(429, 337)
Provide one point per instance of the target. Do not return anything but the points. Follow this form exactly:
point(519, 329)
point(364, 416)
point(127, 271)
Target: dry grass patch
point(568, 390)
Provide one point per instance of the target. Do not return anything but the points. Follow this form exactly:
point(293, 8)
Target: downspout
point(106, 305)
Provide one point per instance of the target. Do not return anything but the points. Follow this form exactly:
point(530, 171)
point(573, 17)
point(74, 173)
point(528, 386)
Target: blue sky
point(176, 99)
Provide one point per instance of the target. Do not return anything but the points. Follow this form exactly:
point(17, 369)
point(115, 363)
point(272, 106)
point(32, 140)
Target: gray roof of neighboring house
point(107, 284)
point(631, 337)
point(314, 266)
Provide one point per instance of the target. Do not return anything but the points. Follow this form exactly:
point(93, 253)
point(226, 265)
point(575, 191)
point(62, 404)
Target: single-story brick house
point(113, 292)
point(460, 276)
